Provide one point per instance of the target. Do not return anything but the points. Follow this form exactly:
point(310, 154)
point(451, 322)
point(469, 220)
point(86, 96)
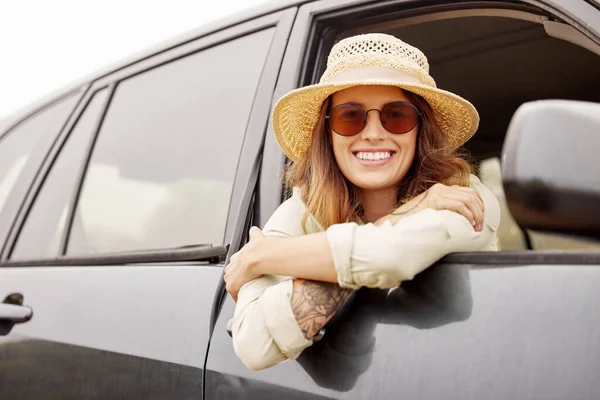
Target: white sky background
point(45, 44)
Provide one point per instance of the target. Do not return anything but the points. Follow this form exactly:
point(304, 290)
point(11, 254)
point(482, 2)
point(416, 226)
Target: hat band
point(372, 73)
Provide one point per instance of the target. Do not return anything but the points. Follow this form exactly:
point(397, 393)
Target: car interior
point(499, 59)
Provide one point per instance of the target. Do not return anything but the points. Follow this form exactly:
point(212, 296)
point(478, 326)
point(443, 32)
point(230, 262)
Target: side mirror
point(551, 167)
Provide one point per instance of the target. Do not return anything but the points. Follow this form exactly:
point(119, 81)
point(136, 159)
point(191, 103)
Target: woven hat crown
point(377, 50)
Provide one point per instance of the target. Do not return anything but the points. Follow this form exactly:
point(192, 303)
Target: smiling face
point(374, 159)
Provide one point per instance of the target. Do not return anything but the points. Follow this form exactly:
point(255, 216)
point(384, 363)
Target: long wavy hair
point(332, 199)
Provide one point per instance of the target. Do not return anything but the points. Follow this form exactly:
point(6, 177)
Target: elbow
point(246, 349)
point(265, 331)
point(252, 341)
point(250, 354)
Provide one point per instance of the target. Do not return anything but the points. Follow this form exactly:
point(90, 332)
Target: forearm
point(307, 257)
point(315, 303)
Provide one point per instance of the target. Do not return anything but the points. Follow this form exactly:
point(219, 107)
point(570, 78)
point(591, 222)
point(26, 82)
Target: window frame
point(252, 140)
point(22, 191)
point(318, 23)
point(85, 103)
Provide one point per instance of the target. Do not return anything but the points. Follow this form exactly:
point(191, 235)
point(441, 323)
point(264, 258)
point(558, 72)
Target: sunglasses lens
point(399, 117)
point(347, 119)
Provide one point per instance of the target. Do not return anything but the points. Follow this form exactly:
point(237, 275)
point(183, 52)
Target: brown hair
point(332, 199)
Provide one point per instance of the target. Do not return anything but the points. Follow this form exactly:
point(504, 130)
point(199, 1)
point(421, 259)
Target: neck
point(377, 203)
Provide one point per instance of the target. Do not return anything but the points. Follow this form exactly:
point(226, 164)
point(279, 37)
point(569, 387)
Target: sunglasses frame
point(419, 116)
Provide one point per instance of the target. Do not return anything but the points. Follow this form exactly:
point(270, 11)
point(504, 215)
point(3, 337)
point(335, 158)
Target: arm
point(315, 303)
point(276, 314)
point(276, 317)
point(383, 256)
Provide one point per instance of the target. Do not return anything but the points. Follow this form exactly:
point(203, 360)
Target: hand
point(462, 200)
point(239, 270)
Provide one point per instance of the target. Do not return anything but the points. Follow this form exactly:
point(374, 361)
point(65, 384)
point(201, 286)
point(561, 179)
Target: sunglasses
point(350, 119)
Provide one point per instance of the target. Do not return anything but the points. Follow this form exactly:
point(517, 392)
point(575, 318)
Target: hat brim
point(296, 113)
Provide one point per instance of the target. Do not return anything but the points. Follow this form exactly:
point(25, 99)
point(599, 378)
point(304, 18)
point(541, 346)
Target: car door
point(116, 259)
point(484, 325)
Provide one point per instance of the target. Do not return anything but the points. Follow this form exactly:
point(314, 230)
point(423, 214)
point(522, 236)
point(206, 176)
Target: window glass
point(17, 145)
point(43, 228)
point(163, 167)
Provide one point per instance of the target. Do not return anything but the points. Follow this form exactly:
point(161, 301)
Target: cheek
point(408, 144)
point(340, 145)
point(413, 146)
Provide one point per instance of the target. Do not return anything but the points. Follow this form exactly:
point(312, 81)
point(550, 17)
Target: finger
point(474, 193)
point(229, 270)
point(231, 265)
point(471, 196)
point(481, 204)
point(470, 202)
point(479, 201)
point(231, 292)
point(458, 206)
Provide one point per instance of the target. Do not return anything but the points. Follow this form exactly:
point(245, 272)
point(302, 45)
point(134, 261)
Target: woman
point(379, 194)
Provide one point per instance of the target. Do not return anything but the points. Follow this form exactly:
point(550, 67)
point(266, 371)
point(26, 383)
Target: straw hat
point(372, 59)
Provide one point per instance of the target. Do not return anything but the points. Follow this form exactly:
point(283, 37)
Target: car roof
point(196, 33)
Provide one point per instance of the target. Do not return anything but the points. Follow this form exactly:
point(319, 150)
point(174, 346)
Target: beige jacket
point(265, 331)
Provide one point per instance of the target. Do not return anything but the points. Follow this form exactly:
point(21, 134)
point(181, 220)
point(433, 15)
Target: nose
point(373, 129)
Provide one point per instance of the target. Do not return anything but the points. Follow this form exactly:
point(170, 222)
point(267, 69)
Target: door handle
point(12, 311)
point(15, 313)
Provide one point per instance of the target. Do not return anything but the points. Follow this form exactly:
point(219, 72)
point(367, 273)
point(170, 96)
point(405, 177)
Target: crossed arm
point(314, 303)
point(316, 295)
point(267, 331)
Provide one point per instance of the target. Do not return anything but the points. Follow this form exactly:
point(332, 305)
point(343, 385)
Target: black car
point(122, 196)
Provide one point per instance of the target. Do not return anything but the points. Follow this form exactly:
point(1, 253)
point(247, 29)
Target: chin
point(375, 184)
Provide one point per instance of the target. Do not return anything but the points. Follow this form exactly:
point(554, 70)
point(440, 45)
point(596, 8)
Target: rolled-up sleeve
point(265, 331)
point(384, 256)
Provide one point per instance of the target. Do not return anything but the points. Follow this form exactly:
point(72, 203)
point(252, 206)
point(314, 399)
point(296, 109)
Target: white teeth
point(381, 155)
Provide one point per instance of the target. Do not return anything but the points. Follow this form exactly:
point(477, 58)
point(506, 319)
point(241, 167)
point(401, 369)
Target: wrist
point(412, 206)
point(259, 262)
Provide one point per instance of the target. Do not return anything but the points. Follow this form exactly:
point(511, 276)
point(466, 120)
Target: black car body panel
point(150, 323)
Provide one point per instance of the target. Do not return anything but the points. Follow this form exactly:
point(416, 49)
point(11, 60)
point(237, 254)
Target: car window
point(43, 228)
point(17, 145)
point(163, 166)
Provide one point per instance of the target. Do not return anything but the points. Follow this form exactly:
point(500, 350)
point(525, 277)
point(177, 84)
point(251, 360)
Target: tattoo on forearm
point(314, 303)
point(413, 207)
